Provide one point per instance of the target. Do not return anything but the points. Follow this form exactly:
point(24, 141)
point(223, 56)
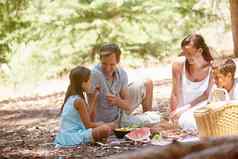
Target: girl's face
point(223, 81)
point(192, 54)
point(87, 85)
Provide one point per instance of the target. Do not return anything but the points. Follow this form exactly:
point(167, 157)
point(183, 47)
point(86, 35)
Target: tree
point(10, 21)
point(56, 35)
point(234, 24)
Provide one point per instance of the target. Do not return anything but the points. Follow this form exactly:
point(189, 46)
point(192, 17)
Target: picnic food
point(174, 133)
point(163, 125)
point(156, 136)
point(139, 134)
point(121, 132)
point(133, 126)
point(122, 129)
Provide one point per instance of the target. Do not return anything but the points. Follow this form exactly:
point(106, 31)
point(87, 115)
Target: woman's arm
point(205, 95)
point(176, 86)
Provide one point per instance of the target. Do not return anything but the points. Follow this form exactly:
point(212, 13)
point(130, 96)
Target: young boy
point(224, 77)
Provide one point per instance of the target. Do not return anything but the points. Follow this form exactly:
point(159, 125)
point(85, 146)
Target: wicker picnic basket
point(217, 119)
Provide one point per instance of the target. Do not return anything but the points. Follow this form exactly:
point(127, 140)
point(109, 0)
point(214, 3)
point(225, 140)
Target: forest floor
point(29, 123)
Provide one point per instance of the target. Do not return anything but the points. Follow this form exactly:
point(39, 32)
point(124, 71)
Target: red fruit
point(139, 134)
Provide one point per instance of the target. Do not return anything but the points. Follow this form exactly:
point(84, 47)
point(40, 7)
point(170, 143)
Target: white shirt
point(192, 90)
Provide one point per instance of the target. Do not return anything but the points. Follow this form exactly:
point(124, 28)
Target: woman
point(192, 77)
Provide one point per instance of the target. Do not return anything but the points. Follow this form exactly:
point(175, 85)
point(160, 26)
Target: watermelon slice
point(140, 134)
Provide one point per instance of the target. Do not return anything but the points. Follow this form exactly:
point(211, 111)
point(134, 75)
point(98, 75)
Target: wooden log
point(225, 151)
point(176, 150)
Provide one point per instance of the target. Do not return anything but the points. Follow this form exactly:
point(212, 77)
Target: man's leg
point(148, 98)
point(141, 93)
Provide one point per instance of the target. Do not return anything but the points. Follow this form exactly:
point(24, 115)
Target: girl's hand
point(96, 91)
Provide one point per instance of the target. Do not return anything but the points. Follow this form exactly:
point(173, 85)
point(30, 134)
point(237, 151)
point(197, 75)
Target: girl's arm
point(176, 86)
point(92, 101)
point(80, 106)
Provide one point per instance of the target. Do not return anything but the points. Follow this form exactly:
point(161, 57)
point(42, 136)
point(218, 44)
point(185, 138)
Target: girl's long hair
point(77, 76)
point(198, 42)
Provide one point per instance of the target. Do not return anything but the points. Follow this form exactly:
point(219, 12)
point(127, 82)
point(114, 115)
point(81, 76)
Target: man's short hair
point(108, 49)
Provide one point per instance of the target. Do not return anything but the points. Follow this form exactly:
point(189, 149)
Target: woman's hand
point(178, 112)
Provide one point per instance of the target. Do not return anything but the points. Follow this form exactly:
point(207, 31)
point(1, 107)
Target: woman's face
point(192, 54)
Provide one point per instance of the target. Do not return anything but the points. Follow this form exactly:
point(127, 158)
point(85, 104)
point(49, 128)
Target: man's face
point(109, 64)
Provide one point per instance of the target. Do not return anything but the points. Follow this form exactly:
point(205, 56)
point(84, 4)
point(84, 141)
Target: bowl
point(121, 132)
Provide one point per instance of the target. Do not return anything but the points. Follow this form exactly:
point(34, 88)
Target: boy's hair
point(108, 49)
point(228, 66)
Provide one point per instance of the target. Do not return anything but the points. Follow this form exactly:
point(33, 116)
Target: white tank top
point(234, 91)
point(191, 90)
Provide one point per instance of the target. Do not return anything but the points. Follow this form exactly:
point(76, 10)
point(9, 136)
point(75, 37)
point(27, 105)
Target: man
point(115, 97)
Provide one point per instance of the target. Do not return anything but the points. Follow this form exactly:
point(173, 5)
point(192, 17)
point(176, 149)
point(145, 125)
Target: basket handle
point(219, 95)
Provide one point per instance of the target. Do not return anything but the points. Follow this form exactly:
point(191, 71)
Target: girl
point(76, 126)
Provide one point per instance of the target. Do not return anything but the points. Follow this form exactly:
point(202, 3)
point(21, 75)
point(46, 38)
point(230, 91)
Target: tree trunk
point(212, 147)
point(234, 24)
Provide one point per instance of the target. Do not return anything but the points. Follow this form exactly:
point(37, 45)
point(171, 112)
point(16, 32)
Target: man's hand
point(112, 99)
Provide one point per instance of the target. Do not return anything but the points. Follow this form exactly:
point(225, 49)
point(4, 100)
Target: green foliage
point(52, 36)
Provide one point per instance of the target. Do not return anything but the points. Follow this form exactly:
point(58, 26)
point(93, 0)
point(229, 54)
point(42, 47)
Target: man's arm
point(122, 100)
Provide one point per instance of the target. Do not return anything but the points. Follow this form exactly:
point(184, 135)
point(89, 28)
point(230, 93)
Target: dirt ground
point(29, 124)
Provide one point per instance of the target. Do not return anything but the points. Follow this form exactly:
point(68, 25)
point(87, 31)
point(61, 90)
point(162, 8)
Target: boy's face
point(223, 81)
